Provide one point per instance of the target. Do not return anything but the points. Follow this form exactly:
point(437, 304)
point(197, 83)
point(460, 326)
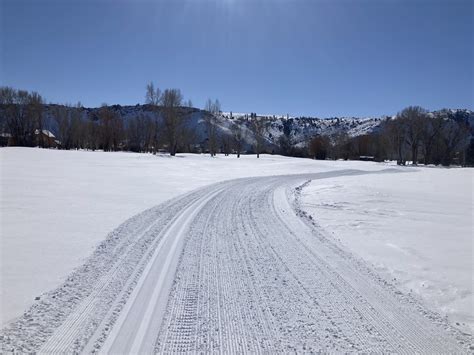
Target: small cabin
point(46, 139)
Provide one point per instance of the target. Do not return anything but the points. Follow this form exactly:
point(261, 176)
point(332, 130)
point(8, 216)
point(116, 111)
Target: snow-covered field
point(415, 227)
point(56, 206)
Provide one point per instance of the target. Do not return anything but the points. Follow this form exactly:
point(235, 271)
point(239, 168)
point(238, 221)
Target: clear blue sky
point(321, 58)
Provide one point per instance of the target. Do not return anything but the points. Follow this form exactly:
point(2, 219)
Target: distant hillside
point(299, 129)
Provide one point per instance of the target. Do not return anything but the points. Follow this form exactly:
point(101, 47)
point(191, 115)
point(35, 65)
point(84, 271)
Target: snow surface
point(233, 267)
point(56, 206)
point(415, 227)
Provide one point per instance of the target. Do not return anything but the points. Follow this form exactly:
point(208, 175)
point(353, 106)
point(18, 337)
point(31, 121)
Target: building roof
point(46, 133)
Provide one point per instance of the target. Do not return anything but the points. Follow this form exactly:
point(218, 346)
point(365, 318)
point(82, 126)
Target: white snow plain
point(57, 206)
point(416, 228)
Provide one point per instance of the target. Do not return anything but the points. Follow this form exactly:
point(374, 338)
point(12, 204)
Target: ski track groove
point(415, 332)
point(70, 329)
point(234, 267)
point(345, 292)
point(340, 298)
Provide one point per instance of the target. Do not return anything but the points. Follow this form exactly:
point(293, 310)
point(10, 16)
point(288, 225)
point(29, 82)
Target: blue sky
point(319, 58)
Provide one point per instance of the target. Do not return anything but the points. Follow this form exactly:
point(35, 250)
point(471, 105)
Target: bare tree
point(431, 130)
point(187, 139)
point(78, 127)
point(319, 147)
point(35, 113)
point(285, 141)
point(24, 115)
point(341, 145)
point(258, 130)
point(92, 135)
point(62, 116)
point(139, 133)
point(111, 129)
point(70, 126)
point(154, 98)
point(412, 118)
point(395, 131)
point(173, 121)
point(151, 134)
point(226, 144)
point(455, 136)
point(238, 135)
point(7, 95)
point(8, 98)
point(213, 109)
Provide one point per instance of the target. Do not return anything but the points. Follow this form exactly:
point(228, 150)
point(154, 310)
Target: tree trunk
point(427, 155)
point(400, 155)
point(414, 155)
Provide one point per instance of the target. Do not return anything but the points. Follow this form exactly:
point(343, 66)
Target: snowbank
point(56, 206)
point(415, 227)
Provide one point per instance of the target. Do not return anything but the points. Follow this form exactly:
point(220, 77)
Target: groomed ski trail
point(231, 268)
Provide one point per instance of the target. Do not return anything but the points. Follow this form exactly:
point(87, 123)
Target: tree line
point(23, 115)
point(412, 135)
point(105, 129)
point(163, 127)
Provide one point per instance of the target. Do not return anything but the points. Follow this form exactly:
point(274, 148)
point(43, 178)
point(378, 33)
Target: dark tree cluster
point(23, 112)
point(162, 127)
point(413, 135)
point(443, 137)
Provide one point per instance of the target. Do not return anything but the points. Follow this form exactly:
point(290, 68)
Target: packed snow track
point(234, 267)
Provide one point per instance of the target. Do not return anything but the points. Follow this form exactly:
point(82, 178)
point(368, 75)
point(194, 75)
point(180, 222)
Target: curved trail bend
point(237, 267)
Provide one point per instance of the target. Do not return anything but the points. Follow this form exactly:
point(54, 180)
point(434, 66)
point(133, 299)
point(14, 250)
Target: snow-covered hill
point(298, 129)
